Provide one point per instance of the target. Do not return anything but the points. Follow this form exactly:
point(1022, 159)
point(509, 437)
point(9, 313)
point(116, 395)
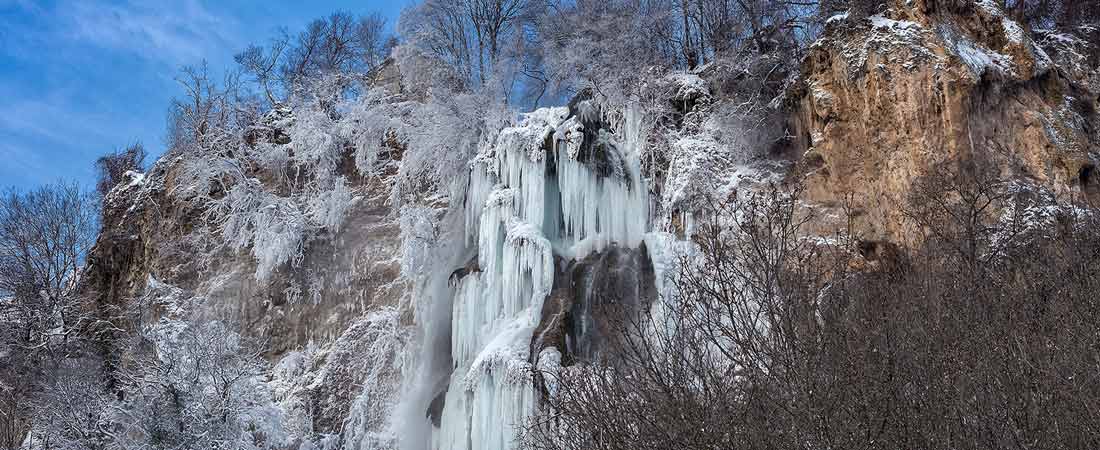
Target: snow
point(136, 178)
point(1069, 50)
point(1012, 30)
point(820, 94)
point(513, 208)
point(979, 59)
point(532, 131)
point(552, 116)
point(419, 232)
point(270, 225)
point(570, 135)
point(690, 174)
point(549, 365)
point(837, 18)
point(878, 21)
point(367, 426)
point(688, 86)
point(329, 209)
point(1030, 212)
point(1061, 38)
point(990, 6)
point(890, 40)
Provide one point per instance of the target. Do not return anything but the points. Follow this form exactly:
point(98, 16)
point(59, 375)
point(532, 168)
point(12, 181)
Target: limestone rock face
point(895, 97)
point(149, 233)
point(343, 294)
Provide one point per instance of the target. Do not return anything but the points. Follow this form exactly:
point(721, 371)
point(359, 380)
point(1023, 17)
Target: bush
point(112, 167)
point(983, 336)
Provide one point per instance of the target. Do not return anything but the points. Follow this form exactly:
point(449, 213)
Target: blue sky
point(79, 78)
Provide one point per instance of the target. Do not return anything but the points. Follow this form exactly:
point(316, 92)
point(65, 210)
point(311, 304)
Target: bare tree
point(73, 410)
point(340, 45)
point(981, 336)
point(372, 41)
point(470, 35)
point(209, 113)
point(702, 370)
point(262, 63)
point(191, 374)
point(44, 235)
point(441, 28)
point(491, 21)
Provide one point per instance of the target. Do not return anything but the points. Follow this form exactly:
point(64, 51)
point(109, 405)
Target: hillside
point(417, 266)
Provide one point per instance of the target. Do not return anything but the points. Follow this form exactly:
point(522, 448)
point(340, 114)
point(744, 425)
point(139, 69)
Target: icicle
point(490, 396)
point(512, 207)
point(529, 263)
point(498, 209)
point(489, 413)
point(598, 211)
point(499, 408)
point(481, 184)
point(519, 171)
point(467, 318)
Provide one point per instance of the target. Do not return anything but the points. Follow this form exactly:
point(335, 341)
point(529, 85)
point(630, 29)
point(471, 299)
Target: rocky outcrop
point(592, 303)
point(339, 301)
point(149, 233)
point(887, 100)
point(882, 102)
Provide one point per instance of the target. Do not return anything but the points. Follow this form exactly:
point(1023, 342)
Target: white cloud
point(174, 33)
point(161, 31)
point(51, 118)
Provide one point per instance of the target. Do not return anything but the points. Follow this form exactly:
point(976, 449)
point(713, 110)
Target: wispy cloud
point(170, 33)
point(81, 77)
point(53, 119)
point(159, 31)
point(22, 162)
point(45, 137)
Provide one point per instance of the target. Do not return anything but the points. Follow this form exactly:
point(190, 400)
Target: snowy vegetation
point(504, 147)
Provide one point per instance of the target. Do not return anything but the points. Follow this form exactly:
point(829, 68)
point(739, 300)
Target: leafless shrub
point(706, 368)
point(982, 336)
point(111, 168)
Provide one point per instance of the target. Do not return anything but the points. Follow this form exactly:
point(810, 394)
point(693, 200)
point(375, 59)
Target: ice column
point(512, 205)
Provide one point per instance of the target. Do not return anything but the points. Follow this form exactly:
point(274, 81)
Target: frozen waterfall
point(533, 195)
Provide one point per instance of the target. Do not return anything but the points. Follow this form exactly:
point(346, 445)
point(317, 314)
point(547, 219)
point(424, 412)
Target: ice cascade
point(532, 195)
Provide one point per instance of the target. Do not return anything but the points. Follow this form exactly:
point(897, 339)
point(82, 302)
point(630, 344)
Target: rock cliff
point(881, 103)
point(886, 100)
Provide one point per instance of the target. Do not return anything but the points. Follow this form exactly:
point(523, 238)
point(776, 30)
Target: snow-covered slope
point(412, 283)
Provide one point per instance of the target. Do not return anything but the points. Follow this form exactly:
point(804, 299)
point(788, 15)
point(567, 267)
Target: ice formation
point(596, 211)
point(530, 197)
